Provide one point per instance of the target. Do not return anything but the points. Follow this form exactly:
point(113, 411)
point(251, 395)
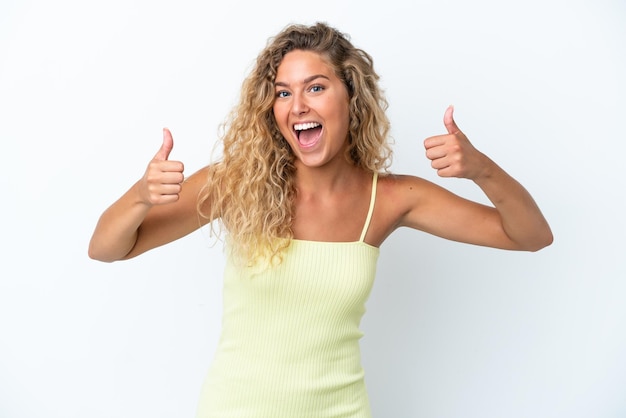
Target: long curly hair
point(251, 189)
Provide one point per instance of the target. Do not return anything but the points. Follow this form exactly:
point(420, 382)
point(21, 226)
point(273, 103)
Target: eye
point(282, 94)
point(316, 88)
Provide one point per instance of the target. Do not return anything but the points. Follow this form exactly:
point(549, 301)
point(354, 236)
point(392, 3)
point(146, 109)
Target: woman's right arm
point(158, 209)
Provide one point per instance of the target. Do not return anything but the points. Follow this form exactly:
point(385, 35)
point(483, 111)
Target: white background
point(451, 330)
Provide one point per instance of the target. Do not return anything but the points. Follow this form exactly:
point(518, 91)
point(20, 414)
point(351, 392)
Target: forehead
point(298, 64)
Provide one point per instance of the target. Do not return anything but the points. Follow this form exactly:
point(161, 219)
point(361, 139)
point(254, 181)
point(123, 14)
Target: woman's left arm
point(452, 155)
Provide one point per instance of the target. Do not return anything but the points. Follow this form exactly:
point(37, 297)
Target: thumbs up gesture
point(162, 181)
point(452, 155)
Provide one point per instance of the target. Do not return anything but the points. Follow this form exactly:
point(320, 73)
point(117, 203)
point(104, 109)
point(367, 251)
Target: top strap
point(371, 209)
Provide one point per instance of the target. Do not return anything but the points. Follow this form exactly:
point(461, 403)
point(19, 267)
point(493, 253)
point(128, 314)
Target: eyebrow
point(306, 80)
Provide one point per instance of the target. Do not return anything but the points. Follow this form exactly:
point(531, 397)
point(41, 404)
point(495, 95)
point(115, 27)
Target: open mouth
point(308, 133)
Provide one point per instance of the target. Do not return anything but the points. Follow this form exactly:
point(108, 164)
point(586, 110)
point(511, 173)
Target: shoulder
point(407, 199)
point(200, 177)
point(203, 185)
point(195, 183)
point(397, 196)
point(402, 188)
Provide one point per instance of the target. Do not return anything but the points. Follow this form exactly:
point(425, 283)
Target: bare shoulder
point(200, 175)
point(411, 201)
point(397, 195)
point(197, 180)
point(401, 190)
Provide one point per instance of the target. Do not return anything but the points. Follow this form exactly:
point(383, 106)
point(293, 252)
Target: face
point(311, 108)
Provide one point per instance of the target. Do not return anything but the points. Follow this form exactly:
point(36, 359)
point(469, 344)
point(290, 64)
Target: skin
point(332, 194)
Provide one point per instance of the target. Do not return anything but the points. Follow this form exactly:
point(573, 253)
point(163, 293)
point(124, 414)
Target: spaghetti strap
point(371, 209)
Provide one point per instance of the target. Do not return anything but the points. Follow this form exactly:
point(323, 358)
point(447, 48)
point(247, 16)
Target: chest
point(339, 219)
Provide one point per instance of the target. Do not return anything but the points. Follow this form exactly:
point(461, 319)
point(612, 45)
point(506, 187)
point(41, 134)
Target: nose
point(299, 105)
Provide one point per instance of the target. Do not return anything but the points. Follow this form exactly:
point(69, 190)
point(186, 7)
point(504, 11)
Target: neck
point(327, 179)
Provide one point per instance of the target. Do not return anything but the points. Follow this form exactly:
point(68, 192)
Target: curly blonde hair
point(251, 190)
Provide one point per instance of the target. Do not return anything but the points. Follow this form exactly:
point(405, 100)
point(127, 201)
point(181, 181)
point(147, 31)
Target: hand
point(452, 155)
point(163, 179)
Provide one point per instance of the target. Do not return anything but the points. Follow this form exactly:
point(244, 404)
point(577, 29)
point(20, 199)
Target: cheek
point(278, 116)
point(342, 106)
point(344, 114)
point(280, 113)
point(280, 122)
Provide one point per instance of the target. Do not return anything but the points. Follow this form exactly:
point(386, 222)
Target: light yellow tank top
point(290, 334)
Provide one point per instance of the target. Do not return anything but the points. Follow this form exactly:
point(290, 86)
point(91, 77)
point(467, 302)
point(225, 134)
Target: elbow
point(547, 238)
point(93, 252)
point(541, 241)
point(99, 254)
point(95, 255)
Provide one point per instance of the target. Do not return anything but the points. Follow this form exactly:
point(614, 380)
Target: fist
point(162, 181)
point(452, 155)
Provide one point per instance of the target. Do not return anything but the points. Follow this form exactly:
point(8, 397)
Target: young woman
point(303, 192)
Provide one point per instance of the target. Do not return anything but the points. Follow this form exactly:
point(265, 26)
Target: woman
point(303, 193)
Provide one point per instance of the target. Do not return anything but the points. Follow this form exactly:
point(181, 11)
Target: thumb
point(166, 147)
point(448, 120)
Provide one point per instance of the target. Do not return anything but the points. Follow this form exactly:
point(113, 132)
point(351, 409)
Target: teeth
point(305, 126)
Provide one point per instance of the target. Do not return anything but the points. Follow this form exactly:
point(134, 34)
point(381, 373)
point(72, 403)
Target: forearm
point(115, 234)
point(522, 221)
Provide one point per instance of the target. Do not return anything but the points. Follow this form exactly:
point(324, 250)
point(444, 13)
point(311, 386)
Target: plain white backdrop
point(451, 330)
